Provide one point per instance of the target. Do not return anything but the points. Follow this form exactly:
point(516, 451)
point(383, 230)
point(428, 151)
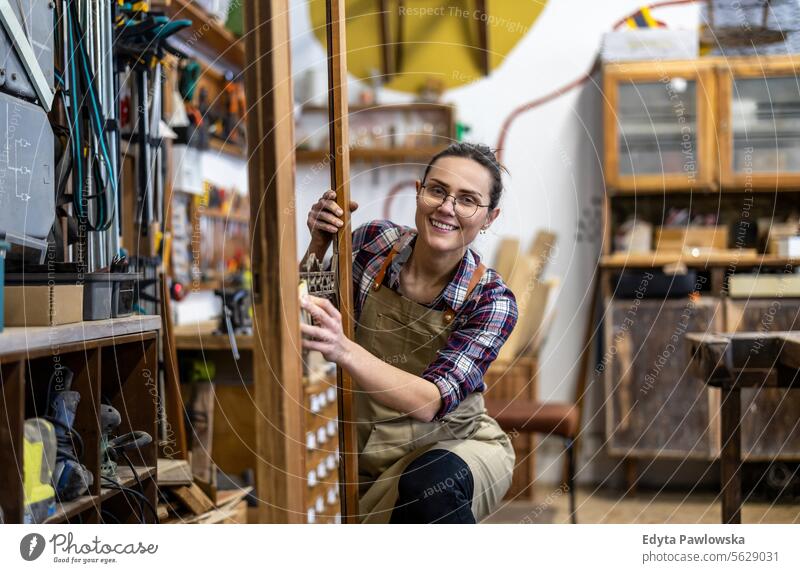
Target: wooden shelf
point(33, 339)
point(228, 148)
point(381, 107)
point(66, 511)
point(220, 214)
point(205, 31)
point(203, 336)
point(408, 154)
point(722, 259)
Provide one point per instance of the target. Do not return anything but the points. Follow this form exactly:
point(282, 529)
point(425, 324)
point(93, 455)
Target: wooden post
point(340, 182)
point(730, 458)
point(280, 443)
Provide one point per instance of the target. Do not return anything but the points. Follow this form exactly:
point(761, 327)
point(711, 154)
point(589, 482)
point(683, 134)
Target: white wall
point(553, 154)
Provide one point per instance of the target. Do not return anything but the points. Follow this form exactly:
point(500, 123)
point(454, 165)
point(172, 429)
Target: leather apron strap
point(449, 313)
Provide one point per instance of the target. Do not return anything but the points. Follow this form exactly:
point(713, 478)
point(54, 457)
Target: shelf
point(722, 259)
point(373, 155)
point(204, 336)
point(205, 30)
point(33, 339)
point(64, 512)
point(220, 214)
point(228, 148)
point(382, 107)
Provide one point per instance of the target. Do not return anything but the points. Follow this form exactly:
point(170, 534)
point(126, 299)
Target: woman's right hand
point(324, 218)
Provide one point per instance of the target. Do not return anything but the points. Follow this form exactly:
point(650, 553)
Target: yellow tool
point(39, 458)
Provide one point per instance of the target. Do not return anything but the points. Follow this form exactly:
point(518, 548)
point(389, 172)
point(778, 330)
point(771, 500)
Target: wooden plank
point(12, 420)
point(203, 429)
point(280, 441)
point(542, 249)
point(193, 498)
point(173, 472)
point(506, 257)
point(176, 445)
point(730, 462)
point(31, 339)
point(340, 182)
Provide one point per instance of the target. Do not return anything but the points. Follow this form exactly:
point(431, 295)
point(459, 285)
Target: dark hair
point(483, 155)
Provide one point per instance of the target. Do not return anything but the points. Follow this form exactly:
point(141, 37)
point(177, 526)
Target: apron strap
point(476, 277)
point(449, 314)
point(376, 285)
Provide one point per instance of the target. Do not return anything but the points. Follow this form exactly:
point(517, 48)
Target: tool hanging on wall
point(142, 43)
point(87, 86)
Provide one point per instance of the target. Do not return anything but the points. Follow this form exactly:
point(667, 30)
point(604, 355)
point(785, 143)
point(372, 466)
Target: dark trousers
point(437, 487)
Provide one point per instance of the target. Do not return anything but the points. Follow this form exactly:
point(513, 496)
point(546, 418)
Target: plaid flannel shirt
point(481, 326)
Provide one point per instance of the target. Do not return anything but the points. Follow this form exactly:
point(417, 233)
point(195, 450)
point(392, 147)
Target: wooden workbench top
point(204, 336)
point(34, 339)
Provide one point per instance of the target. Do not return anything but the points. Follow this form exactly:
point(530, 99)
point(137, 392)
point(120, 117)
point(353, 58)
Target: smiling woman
point(430, 320)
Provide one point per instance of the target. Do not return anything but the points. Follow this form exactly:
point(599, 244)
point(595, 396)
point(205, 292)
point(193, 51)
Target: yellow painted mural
point(440, 40)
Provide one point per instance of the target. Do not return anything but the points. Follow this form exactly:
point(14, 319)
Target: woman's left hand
point(326, 334)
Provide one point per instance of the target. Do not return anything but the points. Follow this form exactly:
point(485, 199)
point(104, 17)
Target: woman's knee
point(437, 486)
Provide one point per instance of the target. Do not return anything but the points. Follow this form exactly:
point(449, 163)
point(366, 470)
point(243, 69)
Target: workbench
point(732, 362)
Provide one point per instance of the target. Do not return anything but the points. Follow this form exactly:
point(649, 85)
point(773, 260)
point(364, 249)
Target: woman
point(430, 319)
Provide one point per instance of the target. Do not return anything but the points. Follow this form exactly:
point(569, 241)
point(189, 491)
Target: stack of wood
point(185, 499)
point(513, 375)
point(523, 274)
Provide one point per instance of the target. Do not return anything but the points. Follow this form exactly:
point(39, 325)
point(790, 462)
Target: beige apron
point(408, 335)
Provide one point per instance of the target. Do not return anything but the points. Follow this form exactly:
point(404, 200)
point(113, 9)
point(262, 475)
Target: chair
point(549, 418)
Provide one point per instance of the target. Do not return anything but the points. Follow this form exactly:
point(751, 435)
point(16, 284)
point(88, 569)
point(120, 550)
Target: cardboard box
point(676, 239)
point(764, 285)
point(43, 305)
point(650, 44)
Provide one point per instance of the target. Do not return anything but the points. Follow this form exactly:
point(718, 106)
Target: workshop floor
point(644, 507)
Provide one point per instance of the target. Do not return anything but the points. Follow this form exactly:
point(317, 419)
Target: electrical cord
point(85, 101)
point(106, 514)
point(112, 484)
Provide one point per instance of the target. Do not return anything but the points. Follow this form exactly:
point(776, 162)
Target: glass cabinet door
point(765, 125)
point(657, 128)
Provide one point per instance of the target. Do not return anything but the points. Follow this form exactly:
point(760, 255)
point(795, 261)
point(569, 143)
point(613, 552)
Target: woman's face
point(442, 227)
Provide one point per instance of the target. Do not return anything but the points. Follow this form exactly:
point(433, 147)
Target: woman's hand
point(324, 218)
point(326, 334)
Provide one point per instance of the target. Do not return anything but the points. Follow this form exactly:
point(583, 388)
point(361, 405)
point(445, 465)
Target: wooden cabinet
point(113, 362)
point(702, 124)
point(659, 125)
point(759, 123)
point(655, 407)
point(770, 416)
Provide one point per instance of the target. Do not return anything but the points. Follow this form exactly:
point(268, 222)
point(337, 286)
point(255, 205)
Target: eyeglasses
point(435, 196)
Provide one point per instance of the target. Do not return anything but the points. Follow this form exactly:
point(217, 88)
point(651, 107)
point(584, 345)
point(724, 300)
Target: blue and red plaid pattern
point(480, 328)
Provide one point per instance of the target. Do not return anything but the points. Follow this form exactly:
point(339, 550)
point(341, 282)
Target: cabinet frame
point(700, 71)
point(744, 68)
